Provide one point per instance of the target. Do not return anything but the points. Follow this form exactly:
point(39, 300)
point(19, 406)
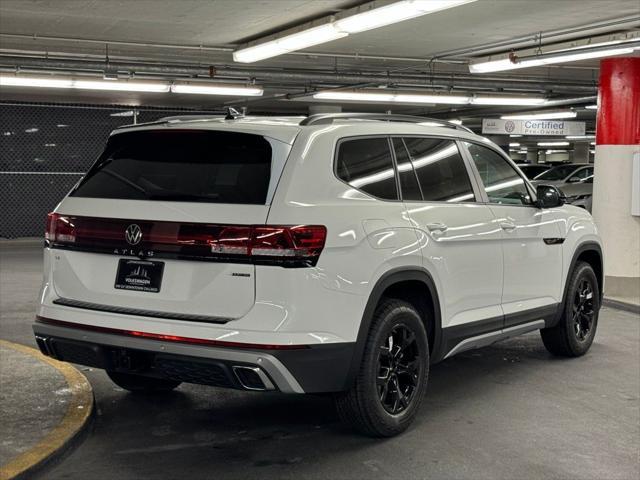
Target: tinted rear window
point(440, 169)
point(182, 165)
point(366, 164)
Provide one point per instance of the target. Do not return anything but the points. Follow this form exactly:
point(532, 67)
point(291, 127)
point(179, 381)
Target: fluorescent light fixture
point(483, 100)
point(394, 13)
point(355, 96)
point(420, 98)
point(212, 89)
point(31, 130)
point(600, 50)
point(579, 137)
point(592, 143)
point(514, 144)
point(391, 97)
point(436, 99)
point(128, 113)
point(82, 84)
point(295, 41)
point(517, 135)
point(121, 86)
point(553, 144)
point(129, 86)
point(540, 116)
point(16, 81)
point(591, 107)
point(360, 22)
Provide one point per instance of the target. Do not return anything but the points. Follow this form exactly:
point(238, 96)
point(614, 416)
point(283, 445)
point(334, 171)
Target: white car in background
point(339, 253)
point(579, 193)
point(564, 173)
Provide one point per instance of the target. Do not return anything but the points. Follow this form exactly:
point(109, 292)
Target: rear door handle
point(437, 227)
point(507, 226)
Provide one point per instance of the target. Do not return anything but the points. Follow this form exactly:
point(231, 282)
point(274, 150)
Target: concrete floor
point(508, 411)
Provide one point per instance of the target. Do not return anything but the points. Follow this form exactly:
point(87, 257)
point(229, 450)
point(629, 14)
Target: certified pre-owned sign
point(532, 127)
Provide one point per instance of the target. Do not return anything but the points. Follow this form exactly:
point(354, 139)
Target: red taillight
point(301, 241)
point(285, 245)
point(60, 229)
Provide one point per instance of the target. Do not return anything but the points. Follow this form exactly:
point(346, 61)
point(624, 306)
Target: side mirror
point(548, 197)
point(574, 180)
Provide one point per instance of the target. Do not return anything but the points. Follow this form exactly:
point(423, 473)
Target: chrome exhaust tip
point(252, 378)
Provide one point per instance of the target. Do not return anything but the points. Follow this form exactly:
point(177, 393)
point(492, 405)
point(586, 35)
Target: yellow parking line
point(78, 413)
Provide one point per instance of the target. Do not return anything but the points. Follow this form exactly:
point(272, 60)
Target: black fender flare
point(393, 276)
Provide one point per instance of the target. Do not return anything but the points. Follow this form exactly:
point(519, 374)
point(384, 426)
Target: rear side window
point(440, 170)
point(182, 165)
point(366, 164)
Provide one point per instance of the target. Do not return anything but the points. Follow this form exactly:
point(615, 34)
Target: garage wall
point(44, 151)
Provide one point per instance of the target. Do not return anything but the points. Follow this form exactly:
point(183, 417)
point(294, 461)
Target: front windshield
point(556, 173)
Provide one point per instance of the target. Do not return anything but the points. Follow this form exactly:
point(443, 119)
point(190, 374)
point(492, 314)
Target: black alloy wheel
point(583, 312)
point(399, 369)
point(573, 335)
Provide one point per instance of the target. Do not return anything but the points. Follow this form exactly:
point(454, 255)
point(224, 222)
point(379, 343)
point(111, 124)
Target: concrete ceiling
point(223, 24)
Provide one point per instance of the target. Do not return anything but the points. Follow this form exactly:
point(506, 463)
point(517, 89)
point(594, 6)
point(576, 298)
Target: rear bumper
point(316, 369)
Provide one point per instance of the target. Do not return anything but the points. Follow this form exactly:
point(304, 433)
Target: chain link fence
point(46, 148)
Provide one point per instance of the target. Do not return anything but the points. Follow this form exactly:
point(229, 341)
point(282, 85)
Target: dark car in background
point(533, 170)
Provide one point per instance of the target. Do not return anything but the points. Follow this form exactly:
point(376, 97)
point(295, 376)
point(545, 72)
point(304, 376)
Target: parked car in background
point(579, 193)
point(532, 171)
point(565, 173)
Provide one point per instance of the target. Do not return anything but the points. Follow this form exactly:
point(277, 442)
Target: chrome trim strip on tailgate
point(67, 302)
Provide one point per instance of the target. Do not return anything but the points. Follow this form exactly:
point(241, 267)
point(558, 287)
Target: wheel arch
point(402, 283)
point(590, 252)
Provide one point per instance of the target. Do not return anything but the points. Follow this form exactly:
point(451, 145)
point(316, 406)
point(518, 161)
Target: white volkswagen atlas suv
point(340, 253)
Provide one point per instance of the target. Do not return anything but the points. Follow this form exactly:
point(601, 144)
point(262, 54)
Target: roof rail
point(326, 118)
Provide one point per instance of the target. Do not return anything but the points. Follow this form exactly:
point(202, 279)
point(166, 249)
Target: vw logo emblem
point(509, 126)
point(133, 234)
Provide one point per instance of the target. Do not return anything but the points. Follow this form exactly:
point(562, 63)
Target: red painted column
point(617, 144)
point(619, 102)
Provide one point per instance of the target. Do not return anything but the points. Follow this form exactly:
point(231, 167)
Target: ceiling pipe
point(543, 38)
point(532, 39)
point(446, 80)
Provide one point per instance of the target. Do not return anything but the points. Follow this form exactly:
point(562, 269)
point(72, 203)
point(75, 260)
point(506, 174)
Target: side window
point(440, 170)
point(408, 180)
point(584, 173)
point(501, 182)
point(366, 164)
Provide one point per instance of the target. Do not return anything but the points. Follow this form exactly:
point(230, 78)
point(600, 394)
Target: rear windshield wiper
point(124, 180)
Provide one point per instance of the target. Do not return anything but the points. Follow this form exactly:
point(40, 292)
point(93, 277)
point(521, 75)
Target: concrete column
point(542, 156)
point(532, 156)
point(581, 152)
point(617, 141)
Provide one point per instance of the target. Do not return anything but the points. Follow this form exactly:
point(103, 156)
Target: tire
point(140, 384)
point(574, 333)
point(393, 375)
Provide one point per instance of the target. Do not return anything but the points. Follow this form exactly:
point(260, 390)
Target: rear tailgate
point(138, 233)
